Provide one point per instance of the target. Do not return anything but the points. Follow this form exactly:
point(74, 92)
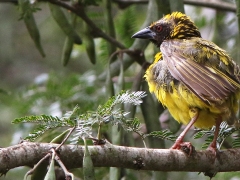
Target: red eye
point(159, 28)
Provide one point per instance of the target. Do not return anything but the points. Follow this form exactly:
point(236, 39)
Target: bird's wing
point(199, 67)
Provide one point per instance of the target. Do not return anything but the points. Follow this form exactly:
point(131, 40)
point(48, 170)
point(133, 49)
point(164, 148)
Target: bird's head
point(172, 26)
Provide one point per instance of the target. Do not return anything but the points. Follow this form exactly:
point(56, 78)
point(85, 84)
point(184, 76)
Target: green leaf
point(51, 170)
point(26, 11)
point(88, 168)
point(126, 24)
point(236, 142)
point(46, 122)
point(90, 2)
point(84, 122)
point(63, 23)
point(164, 134)
point(60, 137)
point(224, 131)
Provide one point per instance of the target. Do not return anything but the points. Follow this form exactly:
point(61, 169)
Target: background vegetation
point(97, 68)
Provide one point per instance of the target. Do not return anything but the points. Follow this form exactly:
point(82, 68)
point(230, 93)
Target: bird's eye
point(159, 28)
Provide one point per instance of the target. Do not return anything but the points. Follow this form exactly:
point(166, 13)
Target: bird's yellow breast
point(180, 101)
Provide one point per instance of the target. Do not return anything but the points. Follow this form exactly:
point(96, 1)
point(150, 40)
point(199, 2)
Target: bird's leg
point(179, 142)
point(213, 146)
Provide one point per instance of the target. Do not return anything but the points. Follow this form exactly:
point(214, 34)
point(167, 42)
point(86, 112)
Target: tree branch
point(219, 5)
point(108, 155)
point(79, 10)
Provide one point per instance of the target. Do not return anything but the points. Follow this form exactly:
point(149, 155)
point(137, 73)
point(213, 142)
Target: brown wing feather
point(208, 83)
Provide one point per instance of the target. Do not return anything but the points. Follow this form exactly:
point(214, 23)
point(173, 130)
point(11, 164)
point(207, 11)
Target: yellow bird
point(194, 78)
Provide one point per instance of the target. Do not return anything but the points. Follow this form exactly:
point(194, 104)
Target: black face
point(156, 33)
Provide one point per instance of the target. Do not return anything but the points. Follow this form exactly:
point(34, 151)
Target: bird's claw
point(186, 147)
point(213, 150)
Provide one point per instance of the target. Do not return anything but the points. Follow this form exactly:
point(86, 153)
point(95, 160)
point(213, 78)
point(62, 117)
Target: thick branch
point(27, 154)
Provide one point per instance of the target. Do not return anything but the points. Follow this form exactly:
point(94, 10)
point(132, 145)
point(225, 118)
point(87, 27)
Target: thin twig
point(53, 153)
point(48, 155)
point(219, 5)
point(66, 138)
point(66, 172)
point(129, 52)
point(36, 165)
point(98, 132)
point(144, 143)
point(137, 54)
point(79, 10)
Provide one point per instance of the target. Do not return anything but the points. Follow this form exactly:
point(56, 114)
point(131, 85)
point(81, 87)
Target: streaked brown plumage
point(195, 79)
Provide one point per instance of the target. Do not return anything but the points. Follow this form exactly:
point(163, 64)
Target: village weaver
point(194, 78)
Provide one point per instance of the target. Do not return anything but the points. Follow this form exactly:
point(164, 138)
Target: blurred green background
point(31, 84)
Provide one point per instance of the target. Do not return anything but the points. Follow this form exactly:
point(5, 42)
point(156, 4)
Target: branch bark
point(218, 5)
point(108, 155)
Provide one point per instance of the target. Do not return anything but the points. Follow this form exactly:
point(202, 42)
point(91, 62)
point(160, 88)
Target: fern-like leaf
point(46, 122)
point(126, 23)
point(70, 117)
point(134, 98)
point(37, 132)
point(132, 125)
point(107, 113)
point(84, 122)
point(236, 142)
point(224, 132)
point(164, 134)
point(36, 119)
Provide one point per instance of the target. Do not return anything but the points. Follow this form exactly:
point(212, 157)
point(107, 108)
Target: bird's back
point(195, 73)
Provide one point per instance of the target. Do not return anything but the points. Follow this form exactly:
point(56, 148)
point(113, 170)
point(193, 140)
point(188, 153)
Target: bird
point(197, 81)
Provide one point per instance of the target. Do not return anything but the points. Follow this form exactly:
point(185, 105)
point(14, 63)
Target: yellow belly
point(180, 101)
point(180, 104)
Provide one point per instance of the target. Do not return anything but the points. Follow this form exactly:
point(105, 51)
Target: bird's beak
point(145, 33)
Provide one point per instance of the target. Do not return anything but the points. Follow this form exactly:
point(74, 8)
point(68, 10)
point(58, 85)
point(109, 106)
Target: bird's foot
point(186, 147)
point(213, 149)
point(213, 146)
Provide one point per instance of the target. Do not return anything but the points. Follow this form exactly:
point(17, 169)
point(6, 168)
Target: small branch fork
point(138, 54)
point(66, 172)
point(65, 139)
point(57, 158)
